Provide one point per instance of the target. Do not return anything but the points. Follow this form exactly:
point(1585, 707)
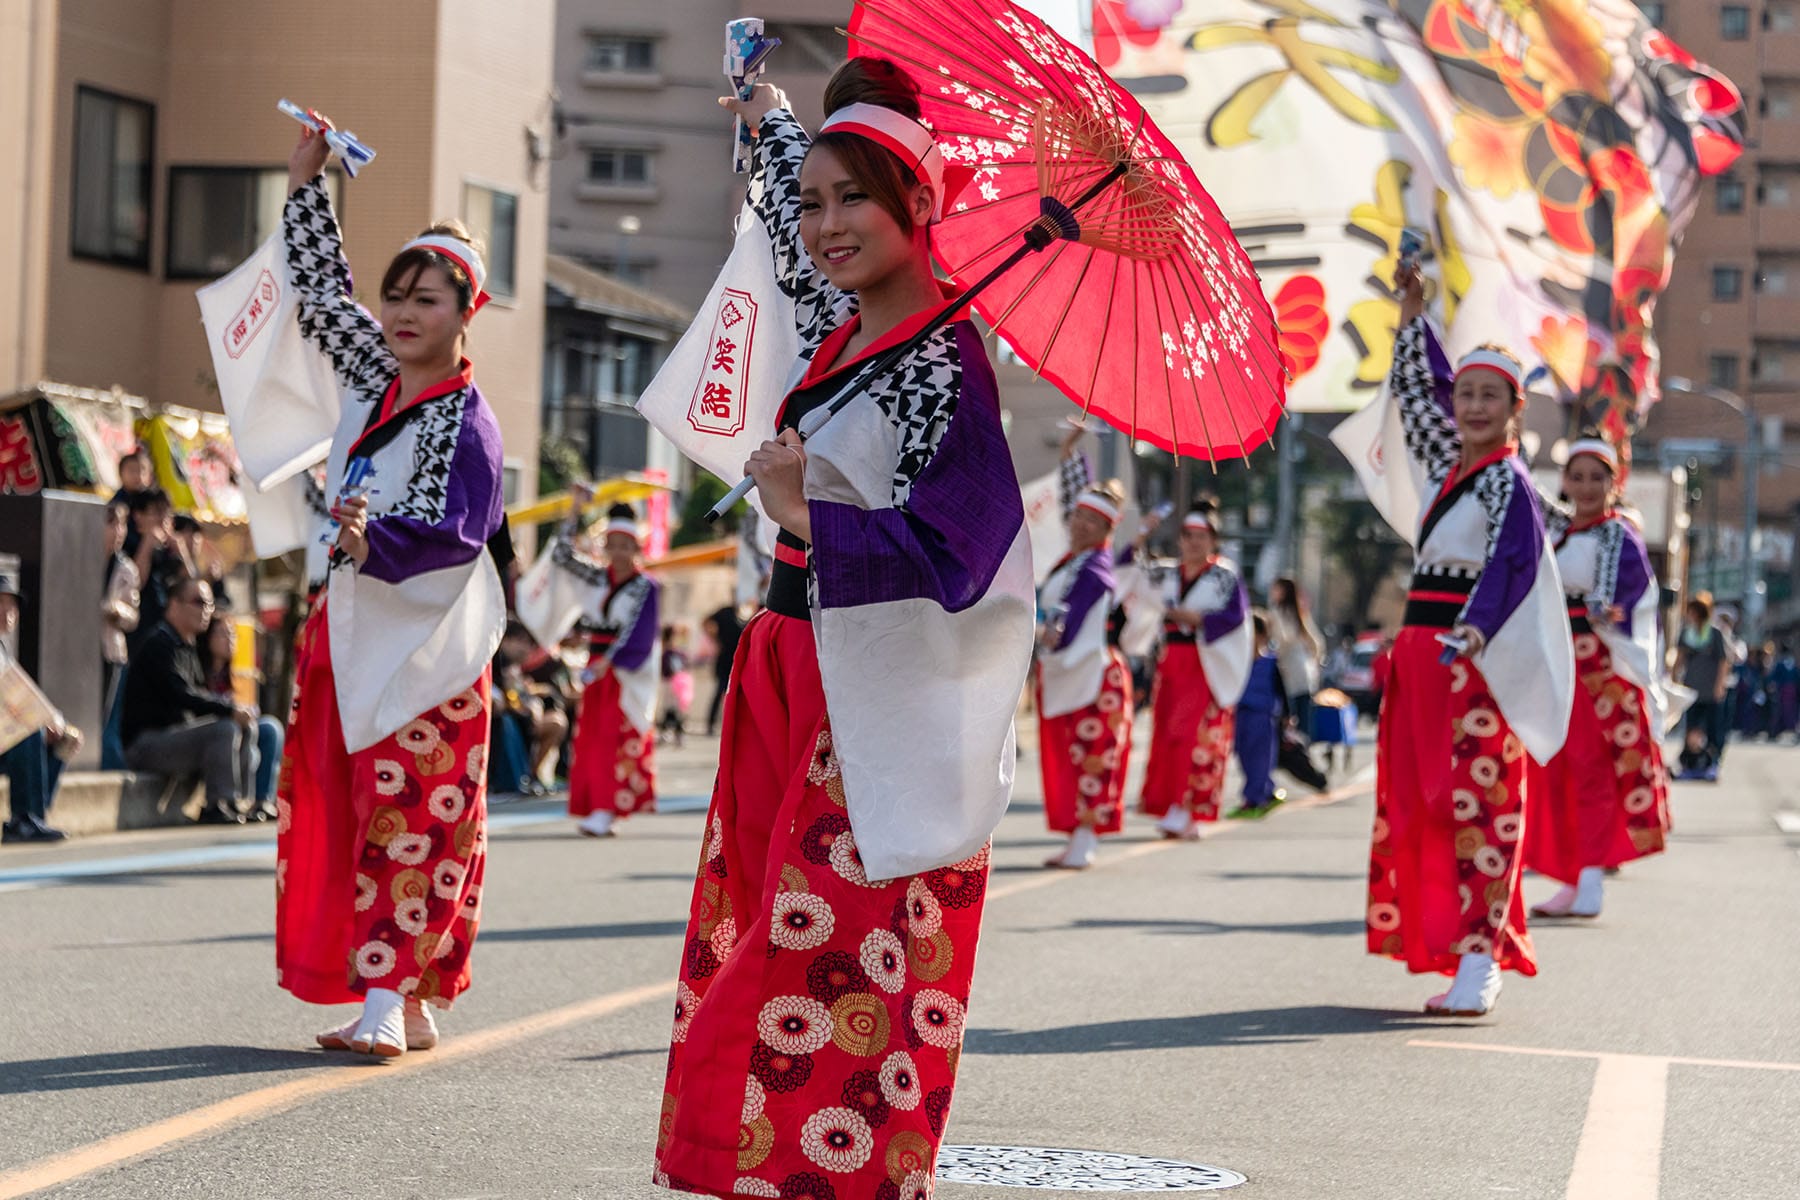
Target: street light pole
point(1753, 598)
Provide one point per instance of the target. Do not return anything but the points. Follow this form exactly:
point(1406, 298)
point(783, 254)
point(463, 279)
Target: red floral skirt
point(1084, 756)
point(1444, 862)
point(1190, 739)
point(819, 1014)
point(379, 854)
point(1604, 800)
point(611, 763)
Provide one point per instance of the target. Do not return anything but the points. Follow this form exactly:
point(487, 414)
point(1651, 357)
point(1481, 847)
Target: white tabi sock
point(421, 1030)
point(597, 824)
point(1175, 820)
point(1476, 986)
point(1588, 888)
point(1083, 844)
point(382, 1029)
point(1557, 905)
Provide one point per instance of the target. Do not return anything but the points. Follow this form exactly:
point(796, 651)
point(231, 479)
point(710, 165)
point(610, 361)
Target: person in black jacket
point(173, 724)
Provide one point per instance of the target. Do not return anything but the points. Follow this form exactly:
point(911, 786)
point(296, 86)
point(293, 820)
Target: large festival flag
point(1551, 150)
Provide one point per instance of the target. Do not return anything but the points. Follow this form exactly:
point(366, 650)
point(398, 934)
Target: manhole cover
point(1077, 1170)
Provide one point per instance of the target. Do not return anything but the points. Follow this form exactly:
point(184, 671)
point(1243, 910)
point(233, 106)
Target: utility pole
point(1751, 626)
point(1284, 492)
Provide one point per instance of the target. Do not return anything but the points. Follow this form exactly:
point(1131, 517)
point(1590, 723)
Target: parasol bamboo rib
point(1100, 352)
point(1156, 297)
point(1194, 384)
point(1195, 286)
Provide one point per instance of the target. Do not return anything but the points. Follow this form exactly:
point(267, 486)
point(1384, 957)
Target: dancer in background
point(867, 750)
point(1261, 712)
point(382, 801)
point(1480, 674)
point(1604, 799)
point(612, 769)
point(1200, 676)
point(1083, 685)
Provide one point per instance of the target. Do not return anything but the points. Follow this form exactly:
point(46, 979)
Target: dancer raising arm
point(1480, 674)
point(1083, 684)
point(867, 747)
point(382, 804)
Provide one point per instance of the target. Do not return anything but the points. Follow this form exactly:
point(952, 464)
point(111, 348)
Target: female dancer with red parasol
point(1477, 677)
point(1083, 684)
point(1604, 799)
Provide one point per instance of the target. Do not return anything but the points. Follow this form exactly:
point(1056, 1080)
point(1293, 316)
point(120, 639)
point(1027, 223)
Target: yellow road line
point(250, 1106)
point(263, 1102)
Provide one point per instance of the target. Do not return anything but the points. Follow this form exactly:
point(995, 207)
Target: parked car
point(1358, 678)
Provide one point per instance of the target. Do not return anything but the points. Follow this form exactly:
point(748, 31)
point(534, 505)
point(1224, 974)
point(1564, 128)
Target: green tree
point(559, 465)
point(1360, 542)
point(708, 489)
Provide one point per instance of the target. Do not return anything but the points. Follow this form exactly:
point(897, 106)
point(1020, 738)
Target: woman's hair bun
point(621, 512)
point(1205, 505)
point(866, 80)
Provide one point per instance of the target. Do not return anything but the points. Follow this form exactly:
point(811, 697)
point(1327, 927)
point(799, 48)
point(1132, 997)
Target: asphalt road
point(1206, 1002)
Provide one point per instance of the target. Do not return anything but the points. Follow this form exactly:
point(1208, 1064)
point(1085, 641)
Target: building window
point(1653, 12)
point(1729, 196)
point(615, 55)
point(1734, 22)
point(611, 166)
point(493, 217)
point(218, 215)
point(1722, 370)
point(111, 194)
point(1728, 283)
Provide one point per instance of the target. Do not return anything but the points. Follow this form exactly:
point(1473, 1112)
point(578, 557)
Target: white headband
point(1196, 520)
point(909, 141)
point(624, 526)
point(1493, 361)
point(460, 253)
point(1100, 505)
point(1602, 450)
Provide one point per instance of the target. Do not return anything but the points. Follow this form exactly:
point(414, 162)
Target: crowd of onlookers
point(170, 700)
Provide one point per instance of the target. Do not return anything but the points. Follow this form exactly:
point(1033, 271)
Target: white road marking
point(1788, 822)
point(1619, 1156)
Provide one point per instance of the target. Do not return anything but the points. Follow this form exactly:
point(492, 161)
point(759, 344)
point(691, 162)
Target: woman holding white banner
point(1478, 677)
point(612, 772)
point(1083, 684)
point(1200, 676)
point(1604, 799)
point(383, 794)
point(866, 754)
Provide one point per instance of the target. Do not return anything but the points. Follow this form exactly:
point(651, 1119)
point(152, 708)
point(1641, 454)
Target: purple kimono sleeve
point(633, 649)
point(1221, 621)
point(1634, 577)
point(1513, 553)
point(1092, 586)
point(947, 541)
point(452, 507)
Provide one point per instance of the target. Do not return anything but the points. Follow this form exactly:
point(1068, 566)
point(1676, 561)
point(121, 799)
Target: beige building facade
point(152, 159)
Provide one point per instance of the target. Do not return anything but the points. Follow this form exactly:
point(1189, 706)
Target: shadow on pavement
point(611, 1055)
point(1261, 1026)
point(1209, 928)
point(159, 1066)
point(583, 933)
point(1298, 876)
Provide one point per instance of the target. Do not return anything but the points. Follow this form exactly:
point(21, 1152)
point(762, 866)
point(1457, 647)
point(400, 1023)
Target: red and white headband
point(905, 138)
point(1196, 520)
point(624, 525)
point(1100, 505)
point(1598, 448)
point(1492, 360)
point(460, 253)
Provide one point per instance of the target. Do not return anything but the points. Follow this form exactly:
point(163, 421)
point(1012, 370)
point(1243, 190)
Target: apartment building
point(153, 160)
point(1730, 319)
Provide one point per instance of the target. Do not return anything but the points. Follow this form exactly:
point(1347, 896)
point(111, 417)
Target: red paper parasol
point(1150, 316)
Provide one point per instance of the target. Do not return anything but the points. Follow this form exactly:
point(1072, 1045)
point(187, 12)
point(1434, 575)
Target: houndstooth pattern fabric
point(438, 427)
point(1606, 566)
point(566, 556)
point(1073, 476)
point(919, 398)
point(1494, 490)
point(1558, 516)
point(1431, 434)
point(329, 317)
point(774, 196)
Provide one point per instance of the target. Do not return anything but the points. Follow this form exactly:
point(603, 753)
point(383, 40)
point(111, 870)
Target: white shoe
point(382, 1029)
point(1557, 905)
point(1179, 823)
point(1473, 992)
point(596, 824)
point(1589, 888)
point(421, 1030)
point(1084, 843)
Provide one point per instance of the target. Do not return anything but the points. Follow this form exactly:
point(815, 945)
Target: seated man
point(174, 726)
point(33, 766)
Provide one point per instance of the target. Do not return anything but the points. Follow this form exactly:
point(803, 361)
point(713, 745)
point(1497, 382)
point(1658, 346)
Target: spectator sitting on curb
point(33, 766)
point(135, 475)
point(151, 545)
point(173, 724)
point(217, 647)
point(118, 618)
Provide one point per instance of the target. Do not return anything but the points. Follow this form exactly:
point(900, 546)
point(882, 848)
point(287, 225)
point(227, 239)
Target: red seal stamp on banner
point(255, 314)
point(719, 402)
